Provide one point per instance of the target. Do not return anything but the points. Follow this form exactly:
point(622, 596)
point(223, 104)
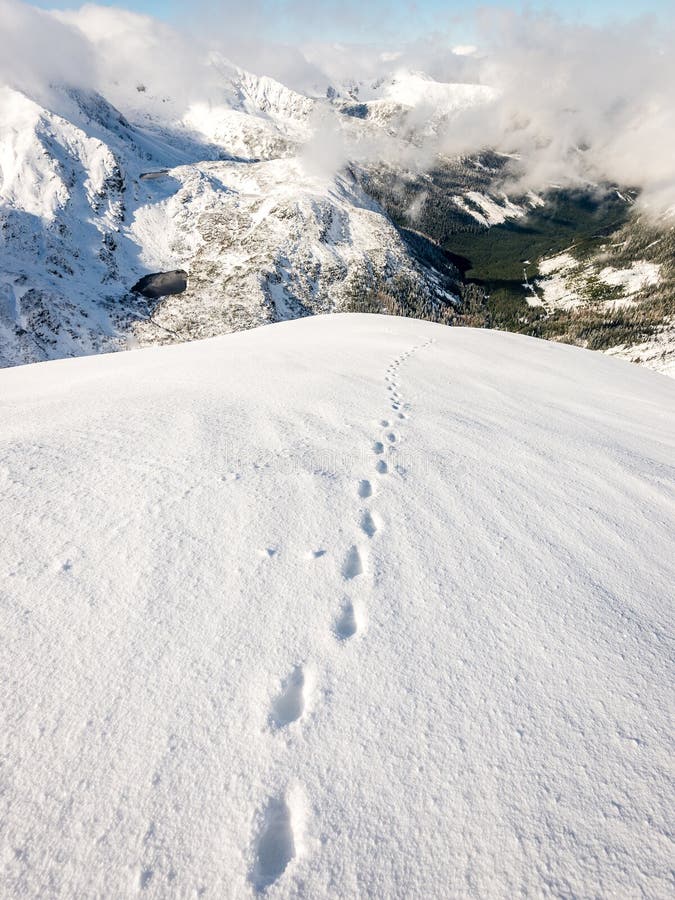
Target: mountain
point(93, 198)
point(347, 606)
point(279, 204)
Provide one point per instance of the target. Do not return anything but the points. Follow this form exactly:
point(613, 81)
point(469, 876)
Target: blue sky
point(592, 10)
point(331, 19)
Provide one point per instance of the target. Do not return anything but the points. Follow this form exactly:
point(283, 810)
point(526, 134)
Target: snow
point(486, 210)
point(418, 89)
point(494, 213)
point(658, 353)
point(345, 606)
point(562, 262)
point(532, 298)
point(412, 100)
point(558, 288)
point(564, 278)
point(535, 200)
point(637, 277)
point(28, 180)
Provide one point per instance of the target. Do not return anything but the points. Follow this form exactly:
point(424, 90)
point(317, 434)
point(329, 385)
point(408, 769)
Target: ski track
point(275, 842)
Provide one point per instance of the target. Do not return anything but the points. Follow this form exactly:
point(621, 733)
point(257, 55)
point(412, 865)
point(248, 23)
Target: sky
point(360, 21)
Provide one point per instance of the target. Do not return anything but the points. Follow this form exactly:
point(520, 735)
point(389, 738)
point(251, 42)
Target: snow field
point(345, 606)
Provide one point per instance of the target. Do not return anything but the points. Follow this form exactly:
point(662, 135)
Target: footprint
point(317, 554)
point(368, 525)
point(268, 552)
point(384, 423)
point(275, 846)
point(378, 447)
point(346, 625)
point(381, 467)
point(391, 437)
point(401, 416)
point(289, 705)
point(145, 877)
point(365, 489)
point(395, 406)
point(353, 564)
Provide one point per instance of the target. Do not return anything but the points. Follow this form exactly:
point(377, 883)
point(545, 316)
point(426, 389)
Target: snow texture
point(347, 606)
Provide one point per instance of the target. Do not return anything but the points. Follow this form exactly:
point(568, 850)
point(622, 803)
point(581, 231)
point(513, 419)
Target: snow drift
point(344, 606)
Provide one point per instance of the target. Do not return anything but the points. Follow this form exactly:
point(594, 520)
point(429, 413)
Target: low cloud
point(578, 103)
point(571, 103)
point(38, 50)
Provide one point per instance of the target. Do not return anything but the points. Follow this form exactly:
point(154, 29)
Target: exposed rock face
point(161, 284)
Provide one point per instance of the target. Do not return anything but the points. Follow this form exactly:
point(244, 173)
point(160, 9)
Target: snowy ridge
point(411, 106)
point(355, 606)
point(416, 89)
point(266, 95)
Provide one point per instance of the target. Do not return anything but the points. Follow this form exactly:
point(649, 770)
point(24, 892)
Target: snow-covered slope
point(348, 606)
point(424, 102)
point(234, 192)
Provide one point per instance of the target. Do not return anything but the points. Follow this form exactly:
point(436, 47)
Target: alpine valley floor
point(348, 606)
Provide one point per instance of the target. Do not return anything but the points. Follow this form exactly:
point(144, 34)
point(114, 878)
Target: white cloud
point(574, 102)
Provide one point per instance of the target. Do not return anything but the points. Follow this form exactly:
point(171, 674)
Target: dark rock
point(356, 111)
point(161, 284)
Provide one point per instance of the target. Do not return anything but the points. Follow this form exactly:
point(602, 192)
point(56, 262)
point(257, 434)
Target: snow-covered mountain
point(244, 194)
point(349, 606)
point(277, 204)
point(410, 103)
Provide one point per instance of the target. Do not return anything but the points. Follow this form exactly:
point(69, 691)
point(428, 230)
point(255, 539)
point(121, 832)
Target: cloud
point(326, 151)
point(578, 102)
point(132, 49)
point(38, 50)
point(574, 103)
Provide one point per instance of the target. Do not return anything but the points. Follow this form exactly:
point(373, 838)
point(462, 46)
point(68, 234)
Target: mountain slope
point(92, 198)
point(584, 265)
point(280, 205)
point(345, 606)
